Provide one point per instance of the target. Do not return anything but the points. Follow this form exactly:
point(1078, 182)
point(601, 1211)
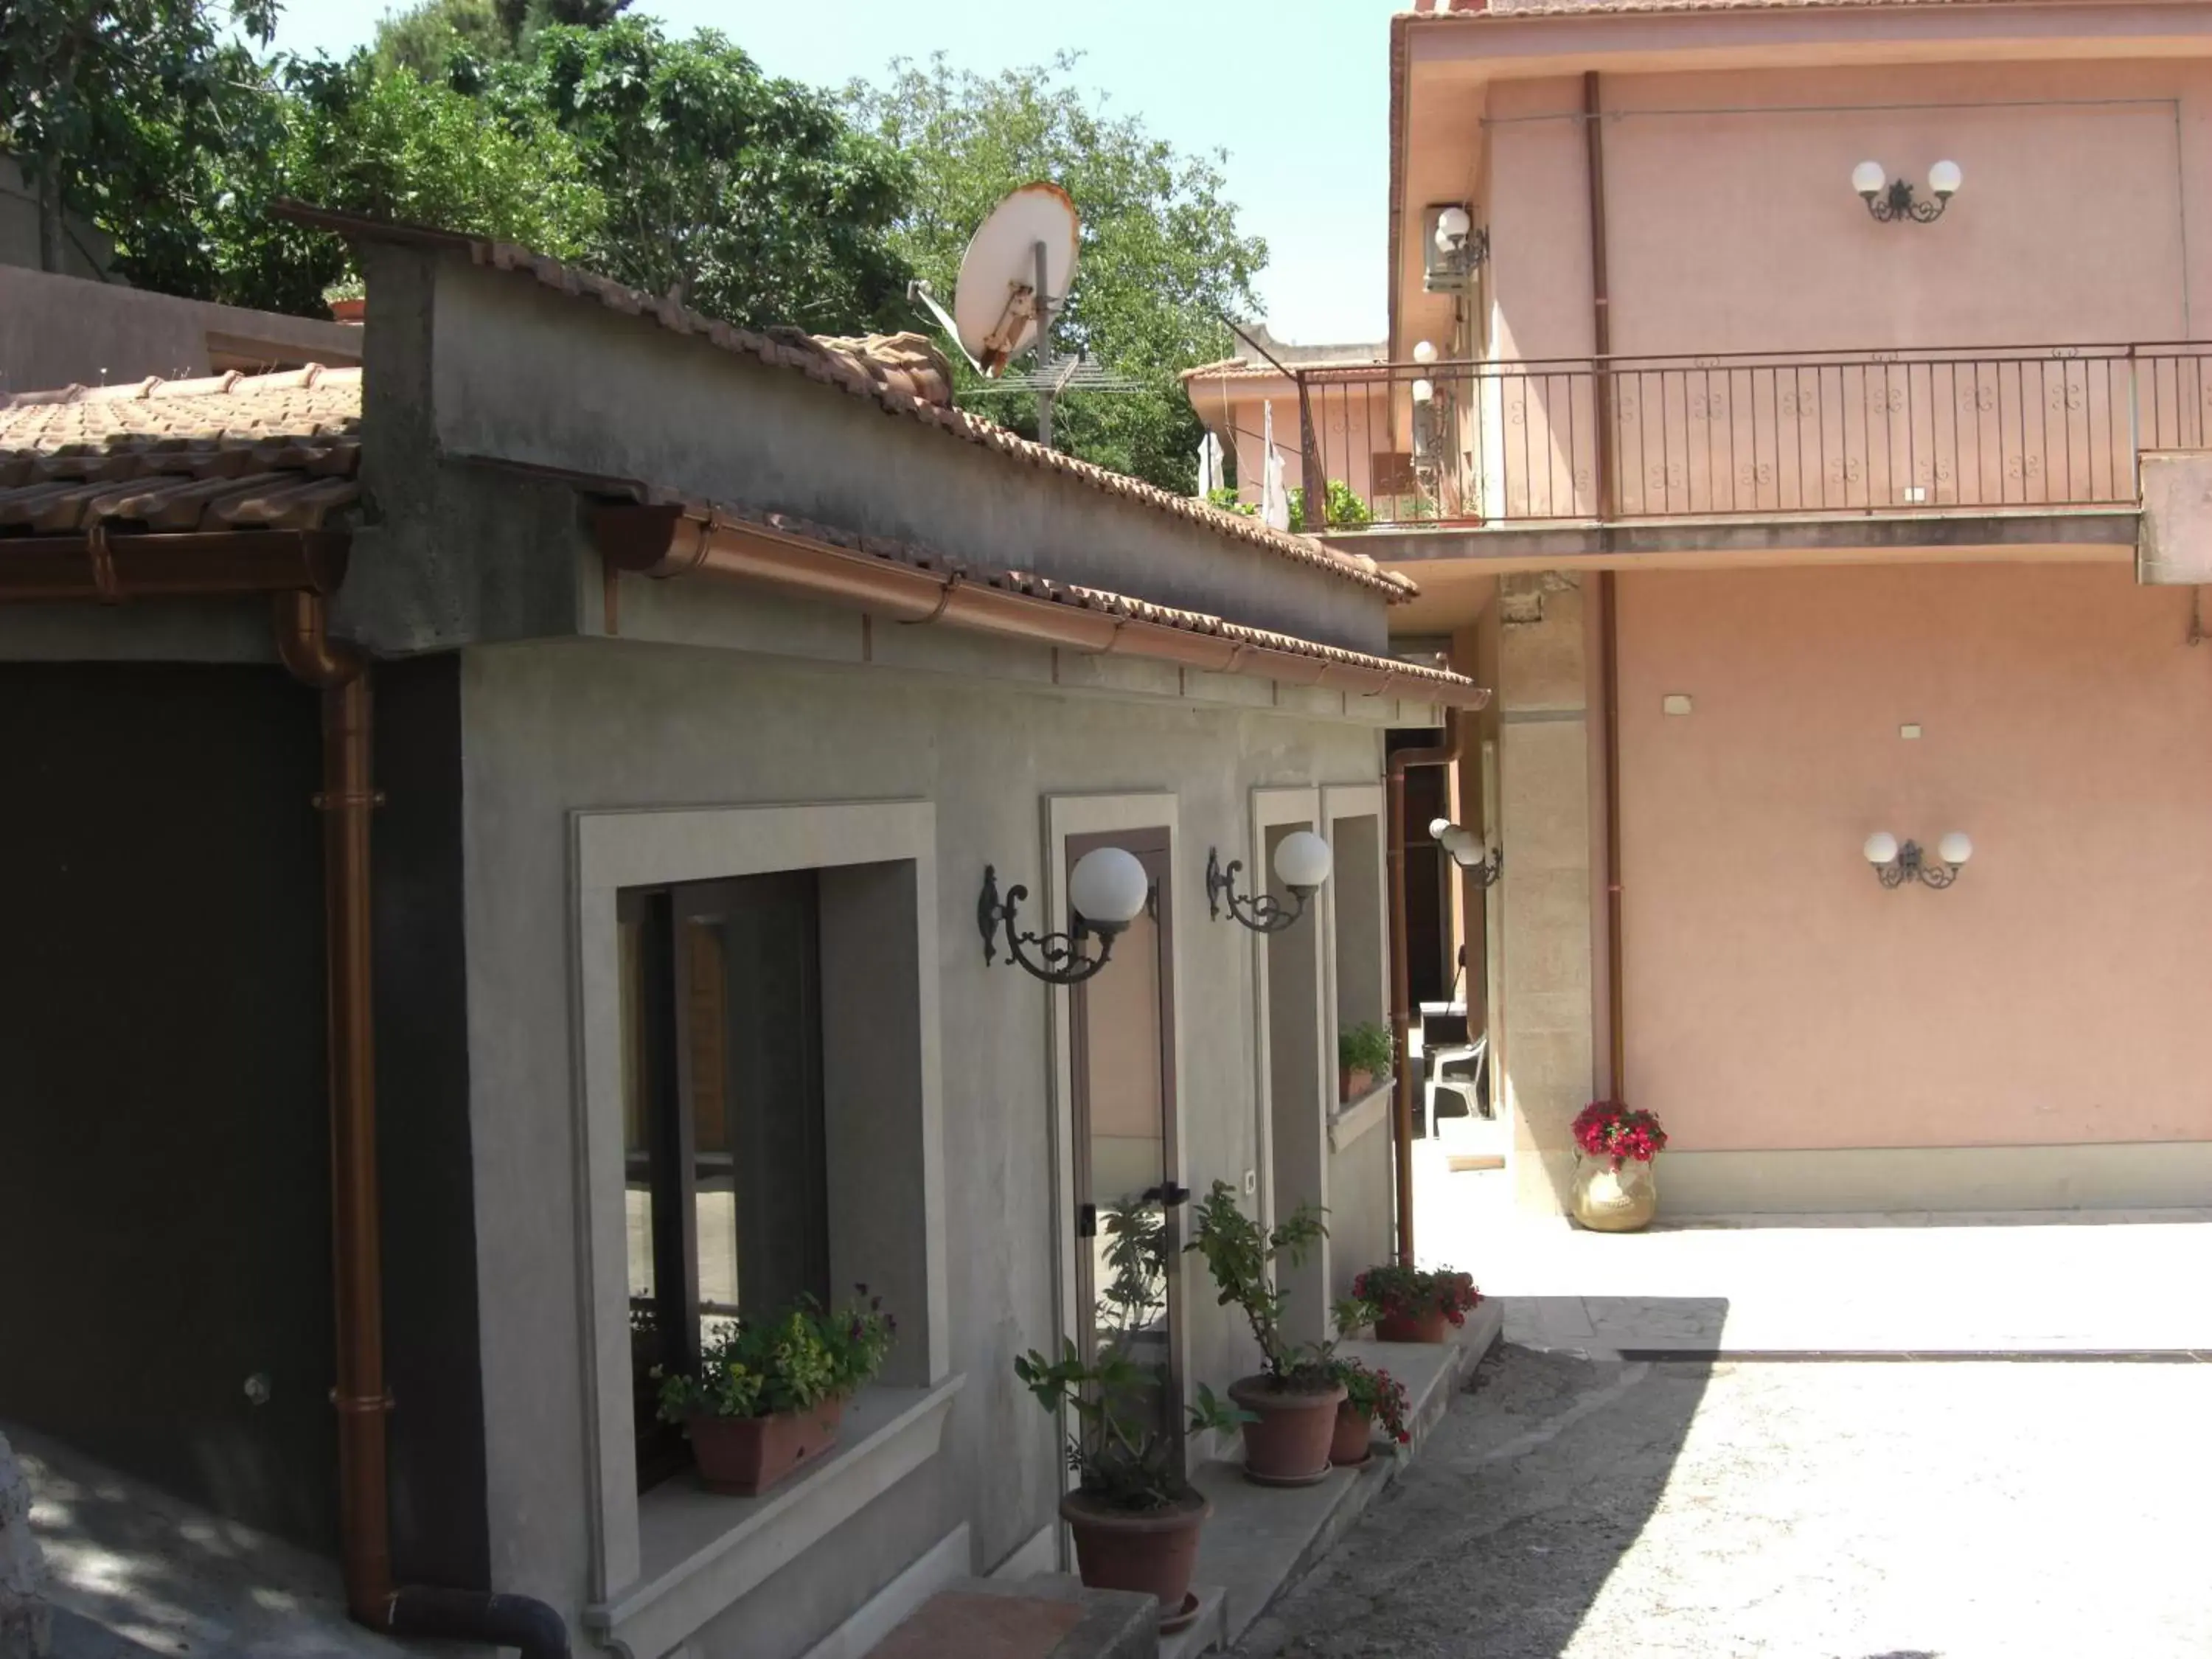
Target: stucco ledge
point(1348, 1123)
point(702, 1551)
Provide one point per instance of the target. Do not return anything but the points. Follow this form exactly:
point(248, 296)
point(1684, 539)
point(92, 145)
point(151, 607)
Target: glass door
point(1127, 1198)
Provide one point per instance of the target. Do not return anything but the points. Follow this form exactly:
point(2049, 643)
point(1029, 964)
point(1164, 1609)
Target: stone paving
point(1580, 1508)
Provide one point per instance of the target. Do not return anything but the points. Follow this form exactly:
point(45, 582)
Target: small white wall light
point(1896, 863)
point(1303, 861)
point(1425, 351)
point(1106, 890)
point(1467, 851)
point(1425, 391)
point(1457, 249)
point(1892, 201)
point(1453, 224)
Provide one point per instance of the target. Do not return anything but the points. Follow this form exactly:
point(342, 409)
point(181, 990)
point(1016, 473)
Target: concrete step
point(1050, 1616)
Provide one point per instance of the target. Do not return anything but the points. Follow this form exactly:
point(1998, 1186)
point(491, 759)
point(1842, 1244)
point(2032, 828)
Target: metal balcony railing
point(1752, 434)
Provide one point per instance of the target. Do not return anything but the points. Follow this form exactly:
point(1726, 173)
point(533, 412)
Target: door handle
point(1086, 1221)
point(1167, 1194)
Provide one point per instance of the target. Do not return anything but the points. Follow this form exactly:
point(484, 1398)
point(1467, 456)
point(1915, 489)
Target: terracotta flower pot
point(1355, 1436)
point(1607, 1200)
point(349, 311)
point(745, 1456)
point(1288, 1445)
point(1352, 1083)
point(1153, 1552)
point(1425, 1327)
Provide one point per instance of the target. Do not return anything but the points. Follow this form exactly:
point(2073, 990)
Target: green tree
point(751, 197)
point(1162, 259)
point(426, 37)
point(119, 109)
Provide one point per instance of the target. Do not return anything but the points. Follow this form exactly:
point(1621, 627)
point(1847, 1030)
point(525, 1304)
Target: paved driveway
point(1574, 1507)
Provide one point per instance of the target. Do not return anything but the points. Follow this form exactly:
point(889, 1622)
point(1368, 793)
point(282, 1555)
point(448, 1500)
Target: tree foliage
point(428, 37)
point(1161, 256)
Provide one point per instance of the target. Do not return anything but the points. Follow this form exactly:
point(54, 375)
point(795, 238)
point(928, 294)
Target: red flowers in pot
point(1606, 1128)
point(1372, 1398)
point(1414, 1305)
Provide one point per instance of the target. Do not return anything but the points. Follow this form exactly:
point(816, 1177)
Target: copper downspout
point(340, 673)
point(1607, 585)
point(1450, 752)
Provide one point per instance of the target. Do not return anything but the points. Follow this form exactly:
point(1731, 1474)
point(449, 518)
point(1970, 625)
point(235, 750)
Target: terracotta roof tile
point(224, 452)
point(1243, 368)
point(837, 364)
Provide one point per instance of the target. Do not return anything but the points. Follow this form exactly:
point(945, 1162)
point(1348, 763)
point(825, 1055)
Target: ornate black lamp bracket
point(1898, 203)
point(1911, 864)
point(1263, 913)
point(1485, 874)
point(1059, 959)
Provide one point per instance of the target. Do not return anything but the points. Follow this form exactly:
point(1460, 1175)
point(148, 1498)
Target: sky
point(1306, 174)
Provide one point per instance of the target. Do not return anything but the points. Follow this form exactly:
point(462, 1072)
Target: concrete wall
point(1363, 1209)
point(1731, 224)
point(67, 331)
point(551, 728)
point(470, 363)
point(1778, 997)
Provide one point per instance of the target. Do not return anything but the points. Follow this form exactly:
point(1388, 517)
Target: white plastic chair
point(1473, 1055)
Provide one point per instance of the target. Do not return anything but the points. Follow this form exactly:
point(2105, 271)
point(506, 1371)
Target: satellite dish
point(996, 308)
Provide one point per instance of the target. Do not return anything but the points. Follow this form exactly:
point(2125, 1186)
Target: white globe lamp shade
point(1452, 226)
point(1439, 828)
point(1424, 390)
point(1459, 841)
point(1945, 177)
point(1956, 848)
point(1107, 888)
point(1868, 178)
point(1303, 861)
point(1881, 847)
point(1425, 351)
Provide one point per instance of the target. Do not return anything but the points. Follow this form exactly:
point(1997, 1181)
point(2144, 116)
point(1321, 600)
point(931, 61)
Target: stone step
point(1050, 1616)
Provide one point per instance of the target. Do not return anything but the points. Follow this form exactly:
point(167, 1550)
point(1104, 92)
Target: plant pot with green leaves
point(767, 1395)
point(1293, 1400)
point(1134, 1514)
point(1364, 1057)
point(1416, 1304)
point(1373, 1399)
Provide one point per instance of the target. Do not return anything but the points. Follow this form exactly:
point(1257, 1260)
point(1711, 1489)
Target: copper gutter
point(95, 566)
point(1450, 752)
point(1607, 585)
point(340, 673)
point(666, 543)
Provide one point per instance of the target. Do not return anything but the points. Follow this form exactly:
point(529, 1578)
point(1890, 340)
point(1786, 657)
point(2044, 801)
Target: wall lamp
point(1456, 249)
point(1302, 862)
point(1466, 849)
point(1892, 199)
point(1105, 890)
point(1895, 864)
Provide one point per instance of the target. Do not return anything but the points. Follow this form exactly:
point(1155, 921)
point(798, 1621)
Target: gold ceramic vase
point(1610, 1199)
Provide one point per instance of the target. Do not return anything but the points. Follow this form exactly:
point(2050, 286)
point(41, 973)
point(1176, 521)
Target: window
point(725, 1175)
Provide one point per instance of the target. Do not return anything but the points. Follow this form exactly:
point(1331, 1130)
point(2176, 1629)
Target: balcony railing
point(1744, 434)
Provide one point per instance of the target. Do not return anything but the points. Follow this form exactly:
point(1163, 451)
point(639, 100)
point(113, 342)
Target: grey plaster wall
point(554, 728)
point(58, 331)
point(1362, 1209)
point(470, 363)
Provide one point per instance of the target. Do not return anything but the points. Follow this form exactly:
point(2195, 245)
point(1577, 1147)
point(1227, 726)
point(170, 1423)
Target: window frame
point(637, 848)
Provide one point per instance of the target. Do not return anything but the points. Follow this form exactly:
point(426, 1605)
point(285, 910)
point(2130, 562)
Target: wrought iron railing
point(1740, 434)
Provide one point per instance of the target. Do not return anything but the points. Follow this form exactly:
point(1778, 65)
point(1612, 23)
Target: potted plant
point(768, 1396)
point(1134, 1514)
point(1616, 1189)
point(1414, 1305)
point(1293, 1400)
point(1364, 1056)
point(1371, 1396)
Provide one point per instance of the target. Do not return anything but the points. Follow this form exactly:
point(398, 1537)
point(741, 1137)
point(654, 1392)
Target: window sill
point(701, 1550)
point(1355, 1118)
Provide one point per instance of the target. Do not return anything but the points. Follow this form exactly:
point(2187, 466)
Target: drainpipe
point(340, 672)
point(1607, 587)
point(1450, 752)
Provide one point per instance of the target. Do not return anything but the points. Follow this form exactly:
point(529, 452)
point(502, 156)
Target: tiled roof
point(790, 349)
point(231, 451)
point(1028, 583)
point(1243, 369)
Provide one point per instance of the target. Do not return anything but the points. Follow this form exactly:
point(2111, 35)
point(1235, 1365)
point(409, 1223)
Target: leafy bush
point(1366, 1047)
point(1240, 1257)
point(1122, 1457)
point(787, 1363)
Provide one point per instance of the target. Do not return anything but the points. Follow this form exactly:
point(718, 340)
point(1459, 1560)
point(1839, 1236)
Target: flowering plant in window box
point(768, 1395)
point(1615, 1189)
point(1414, 1305)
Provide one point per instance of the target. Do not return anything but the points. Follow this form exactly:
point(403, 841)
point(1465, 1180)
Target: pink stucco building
point(1783, 508)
